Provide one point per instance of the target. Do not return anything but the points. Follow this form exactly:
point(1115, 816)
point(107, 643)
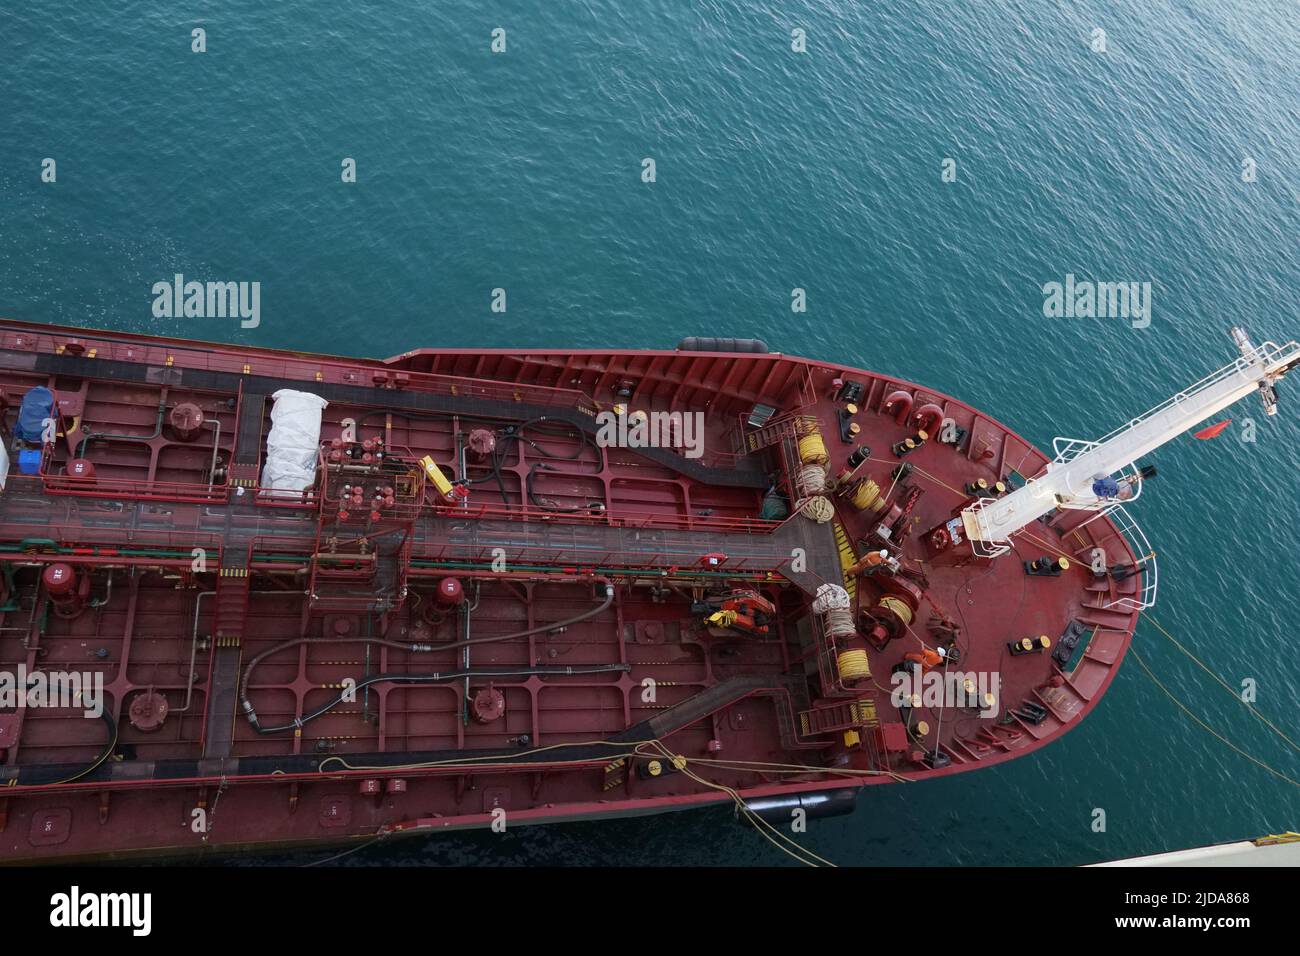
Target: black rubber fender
point(696, 343)
point(818, 805)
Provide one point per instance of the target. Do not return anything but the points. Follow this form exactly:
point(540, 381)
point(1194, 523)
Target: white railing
point(1066, 482)
point(981, 548)
point(1068, 449)
point(1129, 474)
point(1267, 355)
point(1143, 555)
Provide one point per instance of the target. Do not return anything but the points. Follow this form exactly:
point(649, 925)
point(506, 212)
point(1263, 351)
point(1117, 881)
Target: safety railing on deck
point(979, 547)
point(186, 547)
point(1267, 354)
point(605, 518)
point(136, 490)
point(1068, 449)
point(571, 547)
point(1146, 567)
point(1124, 525)
point(196, 355)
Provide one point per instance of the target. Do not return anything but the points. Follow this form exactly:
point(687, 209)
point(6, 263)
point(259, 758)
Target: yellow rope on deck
point(774, 836)
point(898, 606)
point(867, 495)
point(812, 449)
point(854, 665)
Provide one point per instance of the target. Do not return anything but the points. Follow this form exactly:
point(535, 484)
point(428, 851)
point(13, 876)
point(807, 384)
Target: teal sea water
point(775, 170)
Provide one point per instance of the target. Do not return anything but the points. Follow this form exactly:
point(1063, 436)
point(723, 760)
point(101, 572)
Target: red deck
point(328, 600)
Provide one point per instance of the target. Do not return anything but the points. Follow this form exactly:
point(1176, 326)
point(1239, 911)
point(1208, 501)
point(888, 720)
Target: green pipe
point(162, 413)
point(558, 569)
point(417, 563)
point(96, 552)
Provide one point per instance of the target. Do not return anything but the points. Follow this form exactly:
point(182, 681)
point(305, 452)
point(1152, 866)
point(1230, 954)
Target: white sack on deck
point(294, 441)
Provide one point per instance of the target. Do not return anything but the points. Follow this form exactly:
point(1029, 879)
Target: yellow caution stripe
point(847, 559)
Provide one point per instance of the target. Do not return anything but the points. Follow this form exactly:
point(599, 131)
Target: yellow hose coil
point(868, 496)
point(900, 608)
point(854, 665)
point(812, 450)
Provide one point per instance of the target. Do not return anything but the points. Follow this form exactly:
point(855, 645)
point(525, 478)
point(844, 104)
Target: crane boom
point(1067, 481)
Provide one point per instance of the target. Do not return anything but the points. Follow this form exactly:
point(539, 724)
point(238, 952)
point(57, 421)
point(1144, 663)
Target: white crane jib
point(1067, 481)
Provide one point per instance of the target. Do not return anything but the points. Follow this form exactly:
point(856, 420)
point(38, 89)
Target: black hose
point(516, 433)
point(432, 678)
point(37, 776)
point(507, 433)
point(246, 679)
point(557, 625)
point(546, 505)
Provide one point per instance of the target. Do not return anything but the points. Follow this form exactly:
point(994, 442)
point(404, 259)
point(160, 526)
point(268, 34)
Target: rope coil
point(839, 622)
point(854, 665)
point(900, 608)
point(829, 596)
point(812, 449)
point(867, 495)
point(819, 509)
point(811, 480)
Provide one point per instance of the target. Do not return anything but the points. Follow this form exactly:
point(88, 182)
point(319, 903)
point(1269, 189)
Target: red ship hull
point(572, 671)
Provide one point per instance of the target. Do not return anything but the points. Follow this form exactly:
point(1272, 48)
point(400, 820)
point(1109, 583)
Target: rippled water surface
point(775, 170)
